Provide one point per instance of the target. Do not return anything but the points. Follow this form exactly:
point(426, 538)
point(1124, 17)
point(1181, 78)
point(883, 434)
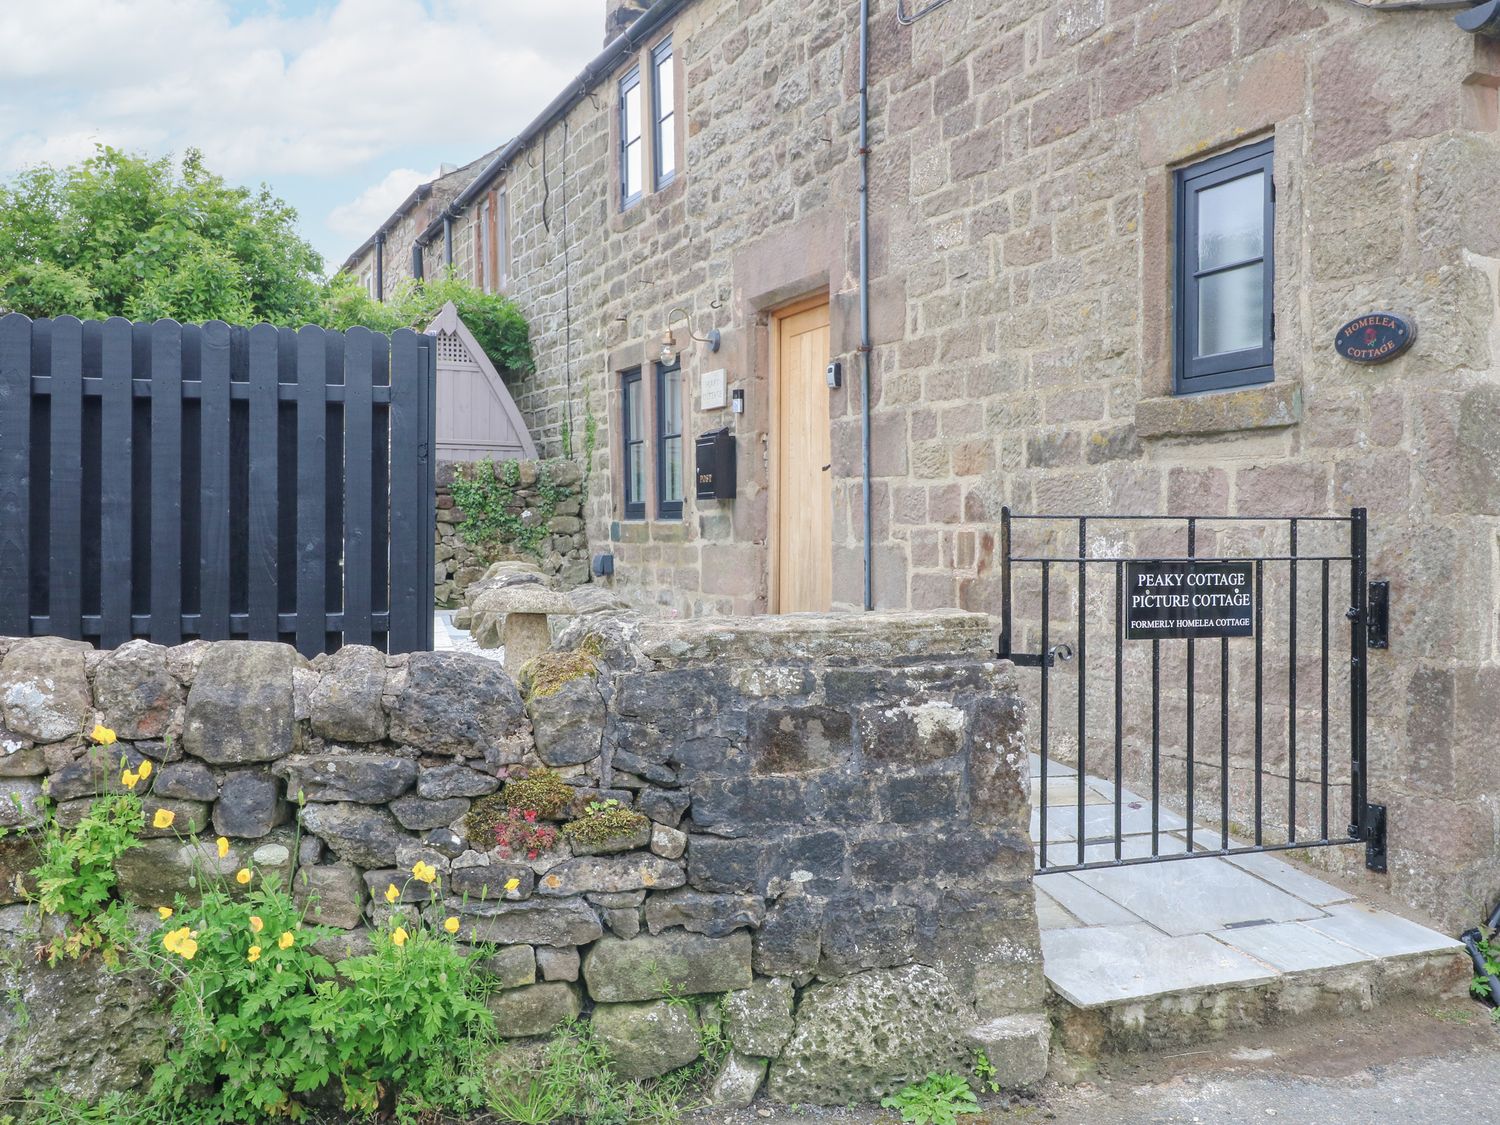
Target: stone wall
point(1021, 193)
point(564, 555)
point(833, 828)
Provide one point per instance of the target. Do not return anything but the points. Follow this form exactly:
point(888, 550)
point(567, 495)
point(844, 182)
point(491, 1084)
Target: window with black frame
point(633, 444)
point(663, 113)
point(669, 470)
point(1224, 321)
point(632, 168)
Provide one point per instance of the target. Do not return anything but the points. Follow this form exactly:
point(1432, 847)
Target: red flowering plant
point(519, 834)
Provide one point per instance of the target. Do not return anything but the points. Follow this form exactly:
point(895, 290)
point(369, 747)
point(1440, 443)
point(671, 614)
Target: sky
point(342, 106)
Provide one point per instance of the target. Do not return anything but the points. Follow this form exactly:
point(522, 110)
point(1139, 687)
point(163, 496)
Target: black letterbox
point(715, 465)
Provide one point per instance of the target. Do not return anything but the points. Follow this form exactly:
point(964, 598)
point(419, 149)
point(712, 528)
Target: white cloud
point(362, 214)
point(278, 93)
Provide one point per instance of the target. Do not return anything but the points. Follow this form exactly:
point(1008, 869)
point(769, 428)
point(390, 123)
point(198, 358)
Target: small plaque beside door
point(1182, 598)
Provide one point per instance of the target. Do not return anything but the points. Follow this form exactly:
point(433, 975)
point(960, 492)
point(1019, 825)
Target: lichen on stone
point(550, 672)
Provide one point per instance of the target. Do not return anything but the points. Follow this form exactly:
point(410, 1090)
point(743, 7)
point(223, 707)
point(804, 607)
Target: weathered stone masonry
point(837, 833)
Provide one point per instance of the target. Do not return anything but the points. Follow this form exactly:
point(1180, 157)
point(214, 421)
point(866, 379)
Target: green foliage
point(76, 876)
point(542, 791)
point(264, 1019)
point(496, 321)
point(1480, 986)
point(939, 1099)
point(575, 1083)
point(549, 672)
point(985, 1071)
point(53, 1107)
point(121, 235)
point(487, 495)
point(604, 821)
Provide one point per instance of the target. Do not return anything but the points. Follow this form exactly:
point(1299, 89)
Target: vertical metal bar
point(1324, 792)
point(1291, 697)
point(1155, 746)
point(1005, 639)
point(1224, 743)
point(1358, 639)
point(1192, 550)
point(1046, 668)
point(1082, 658)
point(1119, 705)
point(1260, 622)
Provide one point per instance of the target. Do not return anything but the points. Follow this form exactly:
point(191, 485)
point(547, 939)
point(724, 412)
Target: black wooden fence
point(173, 481)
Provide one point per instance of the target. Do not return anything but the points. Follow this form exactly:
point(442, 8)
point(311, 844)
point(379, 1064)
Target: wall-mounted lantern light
point(669, 349)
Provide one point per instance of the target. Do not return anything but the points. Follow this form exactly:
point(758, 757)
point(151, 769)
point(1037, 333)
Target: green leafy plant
point(494, 517)
point(939, 1099)
point(985, 1071)
point(603, 821)
point(75, 880)
point(1480, 986)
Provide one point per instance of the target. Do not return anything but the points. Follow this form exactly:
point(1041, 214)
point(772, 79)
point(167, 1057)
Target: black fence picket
point(176, 481)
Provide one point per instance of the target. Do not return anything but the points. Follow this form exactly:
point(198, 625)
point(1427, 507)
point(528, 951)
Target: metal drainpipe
point(448, 240)
point(380, 268)
point(864, 292)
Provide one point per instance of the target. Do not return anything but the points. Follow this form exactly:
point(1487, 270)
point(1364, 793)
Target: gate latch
point(1048, 659)
point(1378, 623)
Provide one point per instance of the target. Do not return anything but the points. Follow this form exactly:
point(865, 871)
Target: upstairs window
point(1224, 317)
point(502, 241)
point(669, 441)
point(664, 113)
point(486, 247)
point(632, 174)
point(633, 431)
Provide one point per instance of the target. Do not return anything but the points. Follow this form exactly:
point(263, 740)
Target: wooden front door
point(803, 580)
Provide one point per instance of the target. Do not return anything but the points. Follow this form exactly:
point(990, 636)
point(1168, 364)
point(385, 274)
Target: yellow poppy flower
point(181, 941)
point(164, 912)
point(451, 925)
point(223, 846)
point(399, 937)
point(128, 779)
point(286, 940)
point(424, 872)
point(242, 876)
point(391, 893)
point(143, 771)
point(102, 735)
point(163, 818)
point(254, 954)
point(512, 884)
point(187, 949)
point(256, 925)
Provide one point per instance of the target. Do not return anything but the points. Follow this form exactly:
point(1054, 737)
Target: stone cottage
point(1077, 256)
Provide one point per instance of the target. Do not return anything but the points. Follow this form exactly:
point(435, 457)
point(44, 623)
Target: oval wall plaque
point(1375, 337)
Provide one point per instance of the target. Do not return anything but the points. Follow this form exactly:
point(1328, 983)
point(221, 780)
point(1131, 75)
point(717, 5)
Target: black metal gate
point(1247, 738)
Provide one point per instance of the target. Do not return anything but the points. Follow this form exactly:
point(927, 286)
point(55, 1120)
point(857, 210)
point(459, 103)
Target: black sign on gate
point(1166, 599)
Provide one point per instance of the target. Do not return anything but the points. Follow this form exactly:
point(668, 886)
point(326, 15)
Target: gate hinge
point(1373, 831)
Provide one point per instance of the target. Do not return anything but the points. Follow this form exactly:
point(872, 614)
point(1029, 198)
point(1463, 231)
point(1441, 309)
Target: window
point(486, 247)
point(632, 411)
point(631, 170)
point(663, 113)
point(502, 241)
point(669, 441)
point(1224, 319)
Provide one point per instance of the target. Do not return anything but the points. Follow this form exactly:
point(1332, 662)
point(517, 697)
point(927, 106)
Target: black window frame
point(631, 81)
point(669, 509)
point(635, 506)
point(662, 117)
point(1251, 366)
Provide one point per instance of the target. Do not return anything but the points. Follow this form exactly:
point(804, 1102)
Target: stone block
point(421, 813)
point(557, 964)
point(789, 941)
point(157, 871)
point(910, 734)
point(44, 692)
point(249, 805)
point(713, 915)
point(446, 782)
point(668, 843)
point(738, 1081)
point(333, 895)
point(758, 1019)
point(1018, 1047)
point(21, 803)
point(188, 780)
point(379, 880)
point(639, 837)
point(568, 724)
point(346, 704)
point(865, 935)
point(864, 1036)
point(136, 693)
point(511, 966)
point(565, 922)
point(647, 1040)
point(622, 921)
point(240, 708)
point(535, 1009)
point(798, 738)
point(188, 817)
point(635, 871)
point(487, 882)
point(366, 779)
point(359, 834)
point(18, 858)
point(19, 758)
point(460, 705)
point(649, 968)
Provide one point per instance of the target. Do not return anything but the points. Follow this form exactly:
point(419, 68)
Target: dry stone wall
point(831, 829)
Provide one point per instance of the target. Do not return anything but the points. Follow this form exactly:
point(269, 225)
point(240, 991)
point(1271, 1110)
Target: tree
point(121, 235)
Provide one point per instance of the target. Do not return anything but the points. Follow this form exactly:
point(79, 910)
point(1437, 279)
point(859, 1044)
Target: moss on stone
point(548, 673)
point(604, 822)
point(541, 790)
